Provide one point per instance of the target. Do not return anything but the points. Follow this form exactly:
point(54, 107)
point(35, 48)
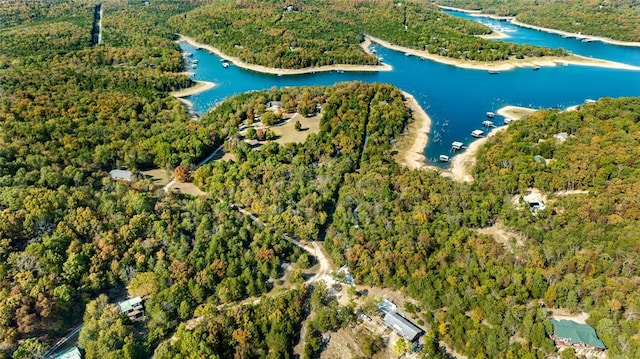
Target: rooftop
point(121, 174)
point(576, 333)
point(401, 324)
point(130, 304)
point(72, 353)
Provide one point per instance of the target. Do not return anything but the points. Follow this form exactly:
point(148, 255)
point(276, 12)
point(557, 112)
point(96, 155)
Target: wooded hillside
point(302, 34)
point(617, 19)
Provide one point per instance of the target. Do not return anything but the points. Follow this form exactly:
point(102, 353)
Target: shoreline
point(276, 71)
point(513, 20)
point(462, 163)
point(412, 143)
point(200, 86)
point(508, 64)
point(547, 61)
point(591, 37)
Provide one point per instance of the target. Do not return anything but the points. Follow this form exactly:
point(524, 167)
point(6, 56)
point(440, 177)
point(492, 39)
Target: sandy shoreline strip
point(461, 164)
point(590, 37)
point(412, 143)
point(545, 29)
point(276, 71)
point(509, 64)
point(497, 65)
point(200, 86)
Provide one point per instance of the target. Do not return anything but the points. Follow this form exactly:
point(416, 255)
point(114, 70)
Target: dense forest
point(73, 241)
point(316, 33)
point(616, 19)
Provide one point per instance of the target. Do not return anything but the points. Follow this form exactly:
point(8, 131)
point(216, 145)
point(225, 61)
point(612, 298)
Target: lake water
point(456, 99)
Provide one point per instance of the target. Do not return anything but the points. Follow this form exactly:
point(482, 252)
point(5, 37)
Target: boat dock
point(477, 133)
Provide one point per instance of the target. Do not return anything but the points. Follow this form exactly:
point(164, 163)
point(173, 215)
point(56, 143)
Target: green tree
point(30, 349)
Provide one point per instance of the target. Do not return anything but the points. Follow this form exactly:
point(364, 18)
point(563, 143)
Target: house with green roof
point(570, 333)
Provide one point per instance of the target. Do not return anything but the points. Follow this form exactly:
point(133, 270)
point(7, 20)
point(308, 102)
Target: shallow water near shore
point(456, 99)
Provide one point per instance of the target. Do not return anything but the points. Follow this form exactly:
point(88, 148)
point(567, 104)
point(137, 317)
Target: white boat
point(407, 54)
point(457, 145)
point(536, 68)
point(589, 101)
point(444, 158)
point(493, 72)
point(195, 61)
point(194, 66)
point(507, 120)
point(225, 64)
point(487, 124)
point(491, 114)
point(477, 133)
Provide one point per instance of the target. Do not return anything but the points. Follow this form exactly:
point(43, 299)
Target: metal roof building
point(132, 308)
point(568, 332)
point(403, 326)
point(72, 353)
point(121, 175)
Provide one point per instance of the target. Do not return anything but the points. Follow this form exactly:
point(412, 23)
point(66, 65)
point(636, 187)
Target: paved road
point(60, 343)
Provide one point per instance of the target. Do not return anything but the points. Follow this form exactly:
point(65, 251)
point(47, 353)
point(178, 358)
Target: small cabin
point(122, 175)
point(274, 104)
point(570, 333)
point(132, 308)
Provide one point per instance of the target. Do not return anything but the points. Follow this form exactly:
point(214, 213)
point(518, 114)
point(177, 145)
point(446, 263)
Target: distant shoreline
point(508, 64)
point(505, 65)
point(566, 33)
point(277, 71)
point(513, 20)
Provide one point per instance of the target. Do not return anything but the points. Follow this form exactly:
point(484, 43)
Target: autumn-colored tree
point(182, 174)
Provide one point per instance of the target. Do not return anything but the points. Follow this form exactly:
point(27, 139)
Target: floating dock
point(477, 133)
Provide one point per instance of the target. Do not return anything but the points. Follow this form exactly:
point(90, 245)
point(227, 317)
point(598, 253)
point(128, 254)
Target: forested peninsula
point(230, 273)
point(293, 35)
point(616, 19)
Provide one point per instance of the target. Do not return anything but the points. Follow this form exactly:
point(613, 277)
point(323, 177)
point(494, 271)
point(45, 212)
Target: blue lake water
point(456, 99)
